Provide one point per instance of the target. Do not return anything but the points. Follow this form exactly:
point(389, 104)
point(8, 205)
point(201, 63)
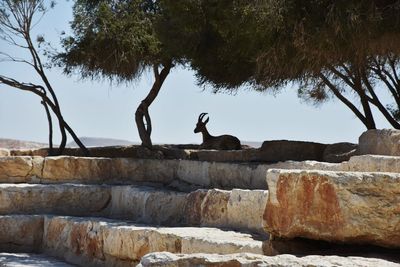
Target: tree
point(118, 40)
point(17, 19)
point(343, 49)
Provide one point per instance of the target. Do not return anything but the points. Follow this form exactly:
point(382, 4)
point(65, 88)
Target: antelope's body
point(221, 142)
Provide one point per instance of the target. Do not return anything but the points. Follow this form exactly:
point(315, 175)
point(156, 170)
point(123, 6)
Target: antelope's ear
point(207, 120)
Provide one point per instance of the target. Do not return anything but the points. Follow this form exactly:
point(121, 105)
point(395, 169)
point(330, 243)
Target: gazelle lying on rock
point(222, 142)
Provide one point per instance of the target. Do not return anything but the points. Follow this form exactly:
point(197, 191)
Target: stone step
point(343, 207)
point(30, 260)
point(167, 259)
point(236, 209)
point(105, 242)
point(26, 169)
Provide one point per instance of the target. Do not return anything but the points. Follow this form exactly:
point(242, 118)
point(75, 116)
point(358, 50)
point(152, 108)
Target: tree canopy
point(331, 49)
point(343, 49)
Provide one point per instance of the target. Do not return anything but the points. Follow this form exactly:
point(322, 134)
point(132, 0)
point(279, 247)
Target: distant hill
point(99, 141)
point(19, 144)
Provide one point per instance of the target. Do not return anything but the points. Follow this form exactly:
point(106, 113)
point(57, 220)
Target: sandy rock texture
point(251, 260)
point(236, 209)
point(349, 207)
point(20, 233)
point(339, 152)
point(380, 142)
point(4, 152)
point(20, 169)
point(372, 163)
point(101, 242)
point(71, 199)
point(30, 260)
point(165, 172)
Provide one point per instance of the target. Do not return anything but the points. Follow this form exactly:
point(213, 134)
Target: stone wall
point(270, 152)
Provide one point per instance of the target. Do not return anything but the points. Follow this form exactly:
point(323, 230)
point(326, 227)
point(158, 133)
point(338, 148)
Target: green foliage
point(114, 39)
point(322, 33)
point(219, 39)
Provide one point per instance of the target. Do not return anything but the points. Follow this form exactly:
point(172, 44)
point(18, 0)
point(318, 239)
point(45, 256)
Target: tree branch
point(342, 98)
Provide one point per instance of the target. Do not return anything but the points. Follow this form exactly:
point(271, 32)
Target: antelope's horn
point(202, 116)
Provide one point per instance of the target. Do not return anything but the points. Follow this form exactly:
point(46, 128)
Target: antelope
point(222, 142)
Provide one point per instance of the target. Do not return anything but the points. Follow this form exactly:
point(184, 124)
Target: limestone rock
point(237, 209)
point(42, 152)
point(30, 260)
point(4, 152)
point(144, 170)
point(372, 163)
point(16, 169)
point(245, 155)
point(53, 199)
point(251, 260)
point(101, 242)
point(350, 207)
point(339, 152)
point(76, 169)
point(380, 142)
point(20, 233)
point(147, 205)
point(245, 209)
point(283, 150)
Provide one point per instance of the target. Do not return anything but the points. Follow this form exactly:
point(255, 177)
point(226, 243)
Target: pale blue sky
point(98, 109)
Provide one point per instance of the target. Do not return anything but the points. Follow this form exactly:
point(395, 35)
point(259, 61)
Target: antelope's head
point(200, 125)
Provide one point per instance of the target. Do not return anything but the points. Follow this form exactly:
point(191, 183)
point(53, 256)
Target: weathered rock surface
point(148, 205)
point(380, 142)
point(100, 242)
point(166, 172)
point(339, 152)
point(372, 163)
point(126, 170)
point(283, 150)
point(20, 169)
point(54, 199)
point(167, 259)
point(236, 209)
point(21, 233)
point(346, 207)
point(245, 155)
point(4, 152)
point(74, 169)
point(30, 260)
point(271, 151)
point(144, 170)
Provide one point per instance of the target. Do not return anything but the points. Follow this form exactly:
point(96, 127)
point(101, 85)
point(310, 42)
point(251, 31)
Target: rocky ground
point(190, 210)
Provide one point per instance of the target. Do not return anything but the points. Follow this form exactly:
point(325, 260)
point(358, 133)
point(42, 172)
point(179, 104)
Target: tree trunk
point(376, 102)
point(353, 80)
point(76, 139)
point(50, 122)
point(142, 116)
point(370, 122)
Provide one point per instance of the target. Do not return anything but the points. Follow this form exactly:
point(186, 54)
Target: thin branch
point(9, 58)
point(342, 98)
point(378, 103)
point(390, 87)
